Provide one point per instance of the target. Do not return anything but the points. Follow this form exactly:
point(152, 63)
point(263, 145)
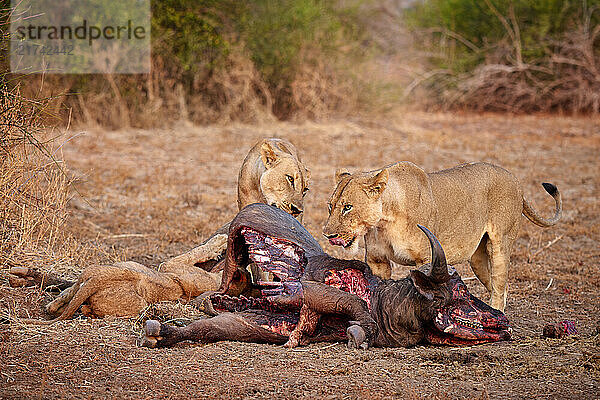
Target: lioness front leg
point(213, 249)
point(380, 266)
point(376, 257)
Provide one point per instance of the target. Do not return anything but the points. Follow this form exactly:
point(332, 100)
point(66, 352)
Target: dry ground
point(154, 194)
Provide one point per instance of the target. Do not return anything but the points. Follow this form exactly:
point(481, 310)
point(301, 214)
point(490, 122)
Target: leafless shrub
point(577, 62)
point(566, 79)
point(33, 189)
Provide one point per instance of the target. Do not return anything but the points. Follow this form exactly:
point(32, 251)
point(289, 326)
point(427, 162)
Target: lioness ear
point(268, 155)
point(306, 174)
point(376, 184)
point(284, 148)
point(423, 283)
point(340, 174)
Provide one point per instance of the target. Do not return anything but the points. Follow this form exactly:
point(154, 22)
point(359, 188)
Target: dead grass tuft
point(34, 189)
point(318, 91)
point(235, 92)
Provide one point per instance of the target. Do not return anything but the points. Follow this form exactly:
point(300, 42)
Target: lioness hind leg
point(24, 276)
point(56, 306)
point(480, 263)
point(499, 252)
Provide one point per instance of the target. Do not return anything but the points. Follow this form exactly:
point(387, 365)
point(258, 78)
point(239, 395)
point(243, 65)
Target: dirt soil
point(153, 194)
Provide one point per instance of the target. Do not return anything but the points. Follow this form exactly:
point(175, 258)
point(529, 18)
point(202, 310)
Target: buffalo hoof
point(356, 337)
point(204, 304)
point(152, 334)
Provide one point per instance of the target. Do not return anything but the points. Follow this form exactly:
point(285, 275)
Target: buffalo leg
point(227, 326)
point(324, 299)
point(307, 324)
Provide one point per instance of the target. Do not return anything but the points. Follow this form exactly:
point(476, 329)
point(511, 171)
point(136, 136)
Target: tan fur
point(263, 178)
point(124, 289)
point(273, 173)
point(473, 209)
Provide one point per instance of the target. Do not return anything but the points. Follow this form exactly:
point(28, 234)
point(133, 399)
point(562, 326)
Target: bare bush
point(33, 189)
point(568, 79)
point(555, 73)
point(577, 64)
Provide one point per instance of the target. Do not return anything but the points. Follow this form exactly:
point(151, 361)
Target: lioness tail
point(535, 217)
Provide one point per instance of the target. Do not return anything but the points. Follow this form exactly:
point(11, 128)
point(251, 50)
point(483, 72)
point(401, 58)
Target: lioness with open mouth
point(473, 209)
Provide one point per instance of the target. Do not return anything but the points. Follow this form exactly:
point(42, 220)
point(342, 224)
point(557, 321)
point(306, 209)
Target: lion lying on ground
point(124, 289)
point(473, 209)
point(271, 172)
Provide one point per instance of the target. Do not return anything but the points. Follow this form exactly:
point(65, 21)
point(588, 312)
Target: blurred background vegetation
point(215, 61)
point(511, 55)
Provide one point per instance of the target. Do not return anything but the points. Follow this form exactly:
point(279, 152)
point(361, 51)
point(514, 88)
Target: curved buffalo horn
point(439, 268)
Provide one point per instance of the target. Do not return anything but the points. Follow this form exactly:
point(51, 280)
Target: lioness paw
point(216, 246)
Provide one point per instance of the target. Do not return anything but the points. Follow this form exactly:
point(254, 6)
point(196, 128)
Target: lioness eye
point(290, 179)
point(304, 191)
point(346, 208)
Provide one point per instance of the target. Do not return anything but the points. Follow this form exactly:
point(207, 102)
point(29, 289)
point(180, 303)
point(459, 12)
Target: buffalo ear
point(375, 186)
point(268, 155)
point(423, 283)
point(340, 174)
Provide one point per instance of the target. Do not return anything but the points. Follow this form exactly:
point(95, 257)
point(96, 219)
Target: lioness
point(473, 209)
point(125, 288)
point(271, 172)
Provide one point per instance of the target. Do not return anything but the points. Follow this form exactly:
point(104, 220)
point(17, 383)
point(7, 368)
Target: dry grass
point(233, 92)
point(154, 194)
point(33, 189)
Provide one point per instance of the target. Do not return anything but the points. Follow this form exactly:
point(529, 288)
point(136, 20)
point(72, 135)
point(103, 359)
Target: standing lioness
point(473, 209)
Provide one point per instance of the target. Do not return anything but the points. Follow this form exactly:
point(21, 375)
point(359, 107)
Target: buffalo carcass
point(317, 297)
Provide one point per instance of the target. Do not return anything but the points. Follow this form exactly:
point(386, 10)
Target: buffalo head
point(457, 317)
